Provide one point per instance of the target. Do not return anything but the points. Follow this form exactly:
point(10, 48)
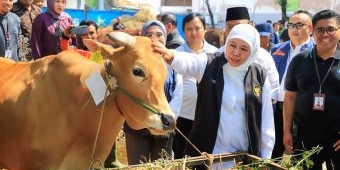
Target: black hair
point(88, 23)
point(192, 16)
point(303, 12)
point(326, 14)
point(169, 17)
point(281, 22)
point(79, 40)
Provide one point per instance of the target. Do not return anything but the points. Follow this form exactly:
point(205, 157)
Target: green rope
point(140, 102)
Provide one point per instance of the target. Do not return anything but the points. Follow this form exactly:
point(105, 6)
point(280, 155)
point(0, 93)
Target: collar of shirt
point(297, 49)
point(204, 49)
point(221, 49)
point(337, 53)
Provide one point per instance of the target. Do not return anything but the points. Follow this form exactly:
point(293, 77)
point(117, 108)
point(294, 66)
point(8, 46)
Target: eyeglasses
point(329, 30)
point(297, 26)
point(156, 34)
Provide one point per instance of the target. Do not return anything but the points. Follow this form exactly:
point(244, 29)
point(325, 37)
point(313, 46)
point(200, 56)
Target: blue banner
point(104, 18)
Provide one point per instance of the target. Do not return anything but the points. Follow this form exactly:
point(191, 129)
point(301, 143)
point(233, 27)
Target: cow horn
point(122, 38)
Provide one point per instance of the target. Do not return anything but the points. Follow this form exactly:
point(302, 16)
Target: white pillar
point(81, 4)
point(101, 4)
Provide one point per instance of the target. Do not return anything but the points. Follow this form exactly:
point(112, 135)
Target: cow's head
point(141, 73)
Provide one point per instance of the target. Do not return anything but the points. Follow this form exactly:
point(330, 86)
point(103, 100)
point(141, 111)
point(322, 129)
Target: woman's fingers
point(159, 47)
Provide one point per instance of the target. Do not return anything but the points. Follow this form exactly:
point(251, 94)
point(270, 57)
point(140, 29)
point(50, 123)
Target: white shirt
point(231, 134)
point(265, 60)
point(177, 96)
point(189, 101)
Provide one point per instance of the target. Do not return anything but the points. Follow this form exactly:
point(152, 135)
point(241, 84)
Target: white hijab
point(251, 36)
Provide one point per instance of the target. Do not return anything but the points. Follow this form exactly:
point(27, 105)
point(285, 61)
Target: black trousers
point(184, 125)
point(307, 139)
point(278, 121)
point(147, 148)
point(111, 158)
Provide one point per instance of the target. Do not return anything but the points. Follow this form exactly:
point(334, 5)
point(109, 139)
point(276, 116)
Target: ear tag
point(96, 56)
point(97, 87)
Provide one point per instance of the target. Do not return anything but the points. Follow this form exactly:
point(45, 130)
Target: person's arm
point(288, 114)
point(65, 39)
point(64, 43)
point(37, 36)
point(267, 128)
point(273, 75)
point(176, 101)
point(291, 89)
point(184, 63)
point(167, 54)
point(18, 36)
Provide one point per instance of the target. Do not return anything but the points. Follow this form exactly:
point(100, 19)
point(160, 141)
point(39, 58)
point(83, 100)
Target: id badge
point(8, 54)
point(319, 101)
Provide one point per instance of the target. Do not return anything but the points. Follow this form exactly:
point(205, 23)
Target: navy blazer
point(280, 53)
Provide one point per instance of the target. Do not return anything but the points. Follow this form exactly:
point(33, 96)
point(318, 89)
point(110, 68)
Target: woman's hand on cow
point(167, 54)
point(337, 145)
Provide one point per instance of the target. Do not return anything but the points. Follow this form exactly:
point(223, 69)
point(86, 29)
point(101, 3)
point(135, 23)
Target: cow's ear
point(93, 46)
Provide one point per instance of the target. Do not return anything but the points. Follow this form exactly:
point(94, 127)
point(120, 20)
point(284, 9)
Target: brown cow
point(48, 119)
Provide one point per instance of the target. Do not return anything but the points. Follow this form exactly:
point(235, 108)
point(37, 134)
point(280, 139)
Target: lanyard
point(318, 74)
point(5, 32)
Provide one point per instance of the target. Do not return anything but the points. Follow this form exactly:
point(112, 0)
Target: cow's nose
point(168, 122)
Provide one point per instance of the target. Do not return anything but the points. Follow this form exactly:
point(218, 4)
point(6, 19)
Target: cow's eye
point(137, 71)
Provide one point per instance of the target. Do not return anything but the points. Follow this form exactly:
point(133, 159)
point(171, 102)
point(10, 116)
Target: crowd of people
point(271, 89)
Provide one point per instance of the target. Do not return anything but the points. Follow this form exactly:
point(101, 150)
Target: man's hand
point(288, 142)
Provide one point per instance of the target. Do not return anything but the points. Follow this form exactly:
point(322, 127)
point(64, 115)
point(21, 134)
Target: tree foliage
point(92, 3)
point(283, 4)
point(210, 14)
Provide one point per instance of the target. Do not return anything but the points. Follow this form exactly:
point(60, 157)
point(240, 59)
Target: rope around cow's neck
point(93, 161)
point(138, 101)
point(111, 86)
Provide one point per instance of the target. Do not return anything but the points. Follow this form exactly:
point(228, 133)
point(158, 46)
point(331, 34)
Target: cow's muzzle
point(168, 121)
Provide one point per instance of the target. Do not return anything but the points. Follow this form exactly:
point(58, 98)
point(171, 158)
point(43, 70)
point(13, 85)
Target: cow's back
point(43, 110)
point(48, 119)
